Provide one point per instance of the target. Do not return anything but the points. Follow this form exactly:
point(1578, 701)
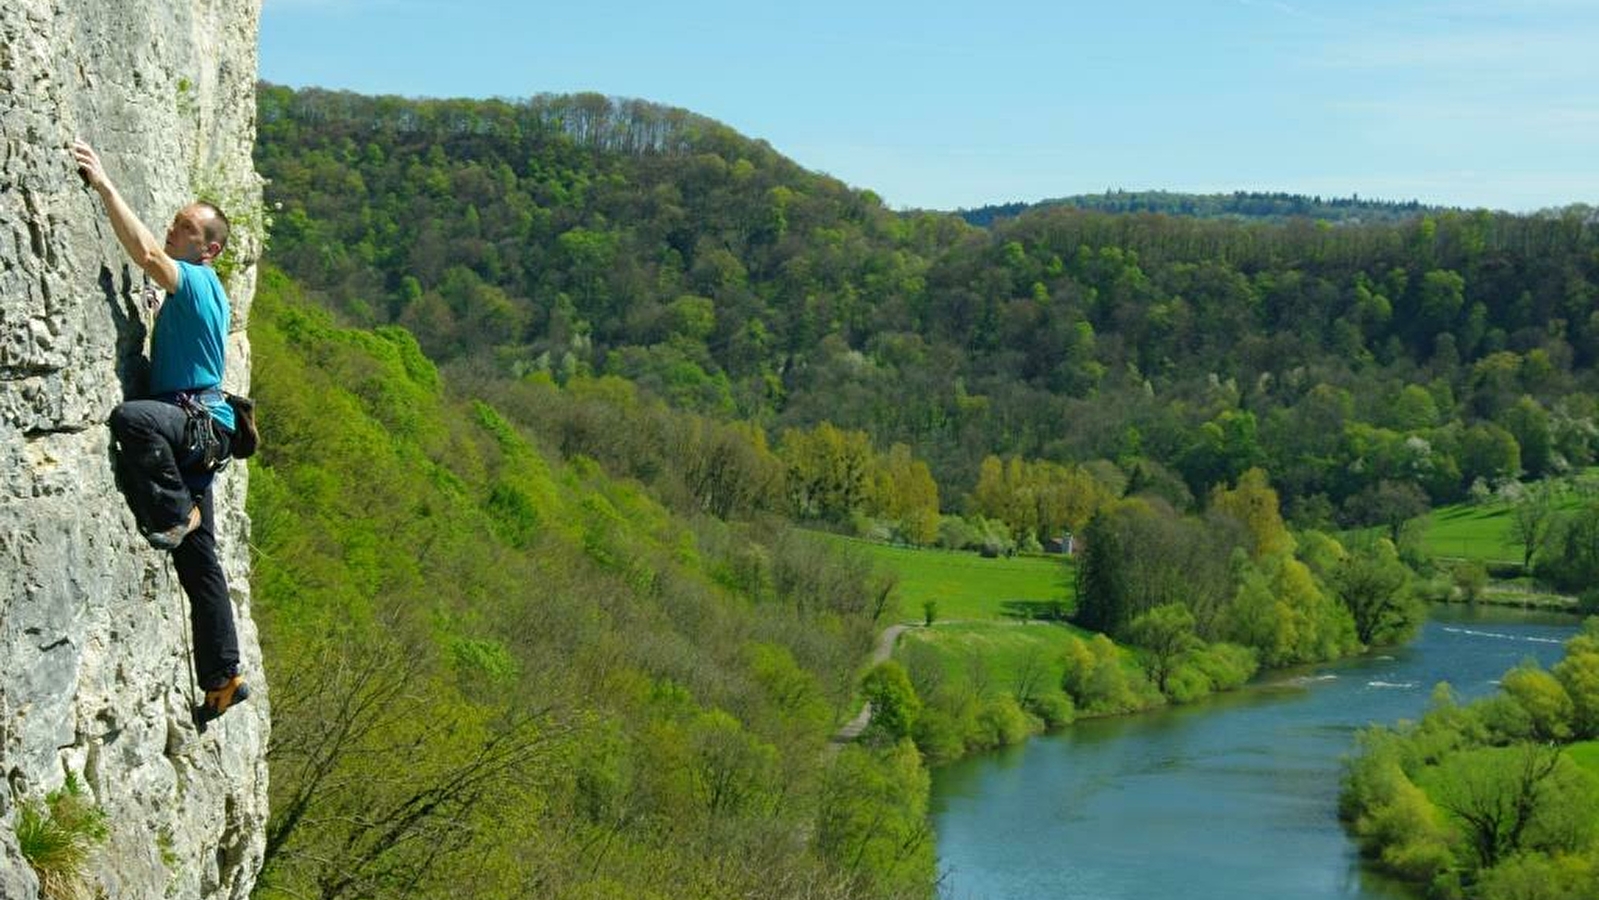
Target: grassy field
point(994, 653)
point(1482, 531)
point(1475, 532)
point(968, 587)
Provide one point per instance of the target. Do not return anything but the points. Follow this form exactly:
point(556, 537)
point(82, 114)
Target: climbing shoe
point(172, 537)
point(220, 699)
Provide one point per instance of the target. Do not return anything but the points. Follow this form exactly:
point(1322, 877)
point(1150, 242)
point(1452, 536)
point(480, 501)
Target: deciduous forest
point(556, 387)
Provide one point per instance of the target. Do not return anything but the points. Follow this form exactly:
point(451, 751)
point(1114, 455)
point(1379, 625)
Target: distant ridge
point(1237, 205)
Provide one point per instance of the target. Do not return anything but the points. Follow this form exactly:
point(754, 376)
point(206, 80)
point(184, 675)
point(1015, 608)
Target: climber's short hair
point(216, 226)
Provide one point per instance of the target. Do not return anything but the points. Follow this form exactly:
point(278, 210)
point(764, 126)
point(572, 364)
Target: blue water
point(1231, 799)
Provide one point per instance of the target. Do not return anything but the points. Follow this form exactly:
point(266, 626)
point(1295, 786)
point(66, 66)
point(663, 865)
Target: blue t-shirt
point(188, 348)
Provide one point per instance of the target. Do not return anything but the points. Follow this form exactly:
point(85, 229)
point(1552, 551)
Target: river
point(1234, 798)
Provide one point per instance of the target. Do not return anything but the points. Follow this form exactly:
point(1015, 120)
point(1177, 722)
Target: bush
point(1187, 684)
point(1001, 723)
point(1227, 666)
point(1055, 710)
point(1538, 876)
point(1099, 683)
point(1470, 580)
point(56, 837)
point(1549, 707)
point(1392, 818)
point(895, 705)
point(955, 533)
point(938, 735)
point(878, 531)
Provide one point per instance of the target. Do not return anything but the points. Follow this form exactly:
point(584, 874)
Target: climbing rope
point(183, 628)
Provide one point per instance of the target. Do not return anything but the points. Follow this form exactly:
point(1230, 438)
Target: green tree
point(1392, 818)
point(903, 490)
point(1573, 563)
point(1542, 876)
point(1165, 635)
point(1390, 504)
point(1512, 798)
point(1375, 586)
point(1098, 682)
point(1532, 521)
point(1544, 698)
point(1255, 504)
point(895, 705)
point(1137, 557)
point(1489, 452)
point(1578, 673)
point(1528, 423)
point(828, 471)
point(872, 819)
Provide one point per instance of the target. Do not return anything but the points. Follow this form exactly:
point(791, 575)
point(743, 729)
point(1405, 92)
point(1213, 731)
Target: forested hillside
point(544, 528)
point(497, 675)
point(1370, 369)
point(1274, 207)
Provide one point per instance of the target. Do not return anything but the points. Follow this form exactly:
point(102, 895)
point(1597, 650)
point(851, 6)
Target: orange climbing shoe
point(220, 699)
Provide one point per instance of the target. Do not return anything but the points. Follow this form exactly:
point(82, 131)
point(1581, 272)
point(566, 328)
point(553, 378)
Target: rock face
point(95, 677)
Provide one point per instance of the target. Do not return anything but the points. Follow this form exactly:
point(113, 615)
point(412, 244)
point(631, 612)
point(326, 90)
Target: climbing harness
point(205, 447)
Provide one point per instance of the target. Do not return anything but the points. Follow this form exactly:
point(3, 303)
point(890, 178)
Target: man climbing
point(169, 446)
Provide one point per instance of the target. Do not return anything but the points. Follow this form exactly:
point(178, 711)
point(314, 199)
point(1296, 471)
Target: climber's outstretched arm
point(147, 252)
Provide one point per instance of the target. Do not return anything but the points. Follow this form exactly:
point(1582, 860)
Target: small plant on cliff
point(57, 836)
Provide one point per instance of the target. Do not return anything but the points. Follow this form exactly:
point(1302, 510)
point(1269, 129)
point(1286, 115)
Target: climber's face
point(186, 238)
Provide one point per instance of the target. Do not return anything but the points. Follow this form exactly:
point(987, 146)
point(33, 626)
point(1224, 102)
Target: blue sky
point(941, 105)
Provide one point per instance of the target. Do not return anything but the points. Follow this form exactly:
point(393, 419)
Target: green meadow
point(987, 640)
point(1482, 531)
point(968, 587)
point(993, 656)
point(1479, 532)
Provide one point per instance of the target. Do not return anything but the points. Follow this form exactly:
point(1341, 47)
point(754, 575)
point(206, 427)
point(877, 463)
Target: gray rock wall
point(95, 678)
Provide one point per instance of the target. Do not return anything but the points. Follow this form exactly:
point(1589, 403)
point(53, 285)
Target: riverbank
point(964, 670)
point(1527, 597)
point(981, 682)
point(1234, 797)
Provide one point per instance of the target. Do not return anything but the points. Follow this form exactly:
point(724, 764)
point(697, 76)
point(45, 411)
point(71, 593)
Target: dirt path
point(880, 654)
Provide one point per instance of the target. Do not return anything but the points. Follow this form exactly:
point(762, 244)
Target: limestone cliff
point(95, 678)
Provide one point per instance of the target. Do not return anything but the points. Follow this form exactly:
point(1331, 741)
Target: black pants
point(149, 435)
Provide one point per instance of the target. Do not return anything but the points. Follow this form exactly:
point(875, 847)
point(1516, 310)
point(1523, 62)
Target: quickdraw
point(204, 447)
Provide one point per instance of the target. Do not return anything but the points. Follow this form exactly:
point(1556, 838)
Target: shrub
point(895, 705)
point(1187, 684)
point(1000, 723)
point(1549, 707)
point(56, 837)
point(1054, 709)
point(955, 533)
point(1539, 875)
point(1097, 681)
point(939, 735)
point(1227, 666)
point(1470, 580)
